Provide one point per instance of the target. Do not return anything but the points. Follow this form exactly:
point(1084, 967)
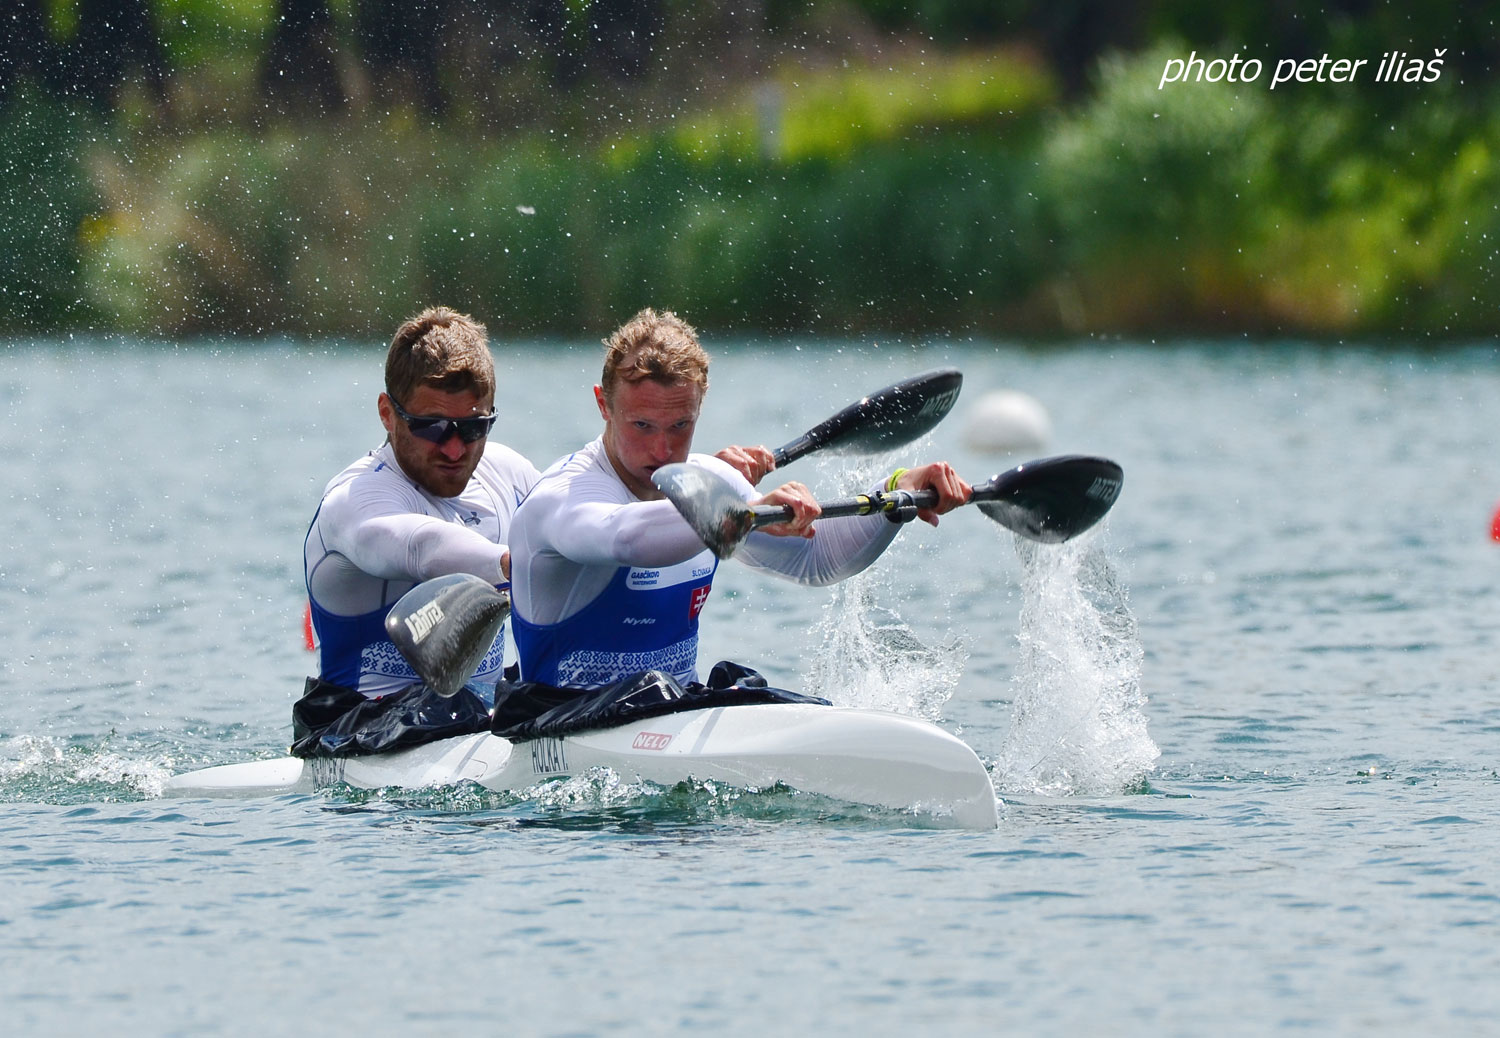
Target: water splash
point(38, 768)
point(597, 788)
point(868, 657)
point(1078, 723)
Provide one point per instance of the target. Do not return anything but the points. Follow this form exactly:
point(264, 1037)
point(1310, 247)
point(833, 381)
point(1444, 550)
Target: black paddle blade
point(712, 508)
point(1053, 499)
point(444, 627)
point(883, 420)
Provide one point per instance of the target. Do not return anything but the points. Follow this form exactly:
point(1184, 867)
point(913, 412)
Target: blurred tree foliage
point(954, 165)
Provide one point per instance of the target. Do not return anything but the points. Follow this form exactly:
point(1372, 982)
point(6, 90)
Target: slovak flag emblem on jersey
point(700, 596)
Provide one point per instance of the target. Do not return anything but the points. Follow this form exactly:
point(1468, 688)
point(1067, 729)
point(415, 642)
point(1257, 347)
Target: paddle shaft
point(785, 455)
point(1072, 486)
point(1049, 500)
point(881, 502)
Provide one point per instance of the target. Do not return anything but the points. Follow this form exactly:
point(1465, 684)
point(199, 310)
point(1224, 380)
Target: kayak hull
point(859, 756)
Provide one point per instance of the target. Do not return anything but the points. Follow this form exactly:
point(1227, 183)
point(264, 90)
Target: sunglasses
point(437, 430)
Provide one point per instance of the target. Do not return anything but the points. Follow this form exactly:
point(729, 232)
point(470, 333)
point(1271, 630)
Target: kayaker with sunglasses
point(436, 498)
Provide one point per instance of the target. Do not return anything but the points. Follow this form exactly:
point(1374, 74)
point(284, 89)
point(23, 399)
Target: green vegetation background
point(183, 167)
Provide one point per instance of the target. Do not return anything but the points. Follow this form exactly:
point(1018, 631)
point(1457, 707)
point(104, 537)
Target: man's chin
point(445, 486)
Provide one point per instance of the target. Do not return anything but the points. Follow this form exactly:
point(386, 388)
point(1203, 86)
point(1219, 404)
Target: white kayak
point(859, 756)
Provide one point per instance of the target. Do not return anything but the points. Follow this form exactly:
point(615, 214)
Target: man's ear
point(599, 399)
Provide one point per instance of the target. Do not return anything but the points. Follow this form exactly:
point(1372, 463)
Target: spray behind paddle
point(1078, 724)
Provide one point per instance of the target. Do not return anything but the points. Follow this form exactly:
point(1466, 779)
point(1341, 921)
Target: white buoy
point(1005, 421)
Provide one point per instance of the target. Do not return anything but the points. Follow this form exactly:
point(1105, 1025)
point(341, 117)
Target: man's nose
point(661, 448)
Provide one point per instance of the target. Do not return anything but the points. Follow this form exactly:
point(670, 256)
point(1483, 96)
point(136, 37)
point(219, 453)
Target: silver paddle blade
point(445, 626)
point(711, 506)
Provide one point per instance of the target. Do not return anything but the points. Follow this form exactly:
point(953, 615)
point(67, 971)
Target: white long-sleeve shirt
point(377, 534)
point(581, 525)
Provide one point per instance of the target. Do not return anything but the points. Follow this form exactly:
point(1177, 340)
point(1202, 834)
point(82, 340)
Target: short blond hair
point(440, 348)
point(661, 347)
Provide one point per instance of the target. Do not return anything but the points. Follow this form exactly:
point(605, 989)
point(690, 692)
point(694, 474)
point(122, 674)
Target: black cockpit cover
point(529, 710)
point(331, 721)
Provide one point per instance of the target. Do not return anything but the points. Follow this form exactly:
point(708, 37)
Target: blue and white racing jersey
point(377, 534)
point(646, 618)
point(604, 585)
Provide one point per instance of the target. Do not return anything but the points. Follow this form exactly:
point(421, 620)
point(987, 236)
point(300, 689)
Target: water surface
point(1301, 552)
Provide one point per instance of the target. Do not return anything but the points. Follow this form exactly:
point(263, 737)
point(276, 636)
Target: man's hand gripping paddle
point(445, 626)
point(1050, 500)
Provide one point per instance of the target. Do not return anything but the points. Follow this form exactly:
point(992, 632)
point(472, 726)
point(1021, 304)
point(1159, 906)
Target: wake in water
point(1078, 723)
point(601, 798)
point(38, 768)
